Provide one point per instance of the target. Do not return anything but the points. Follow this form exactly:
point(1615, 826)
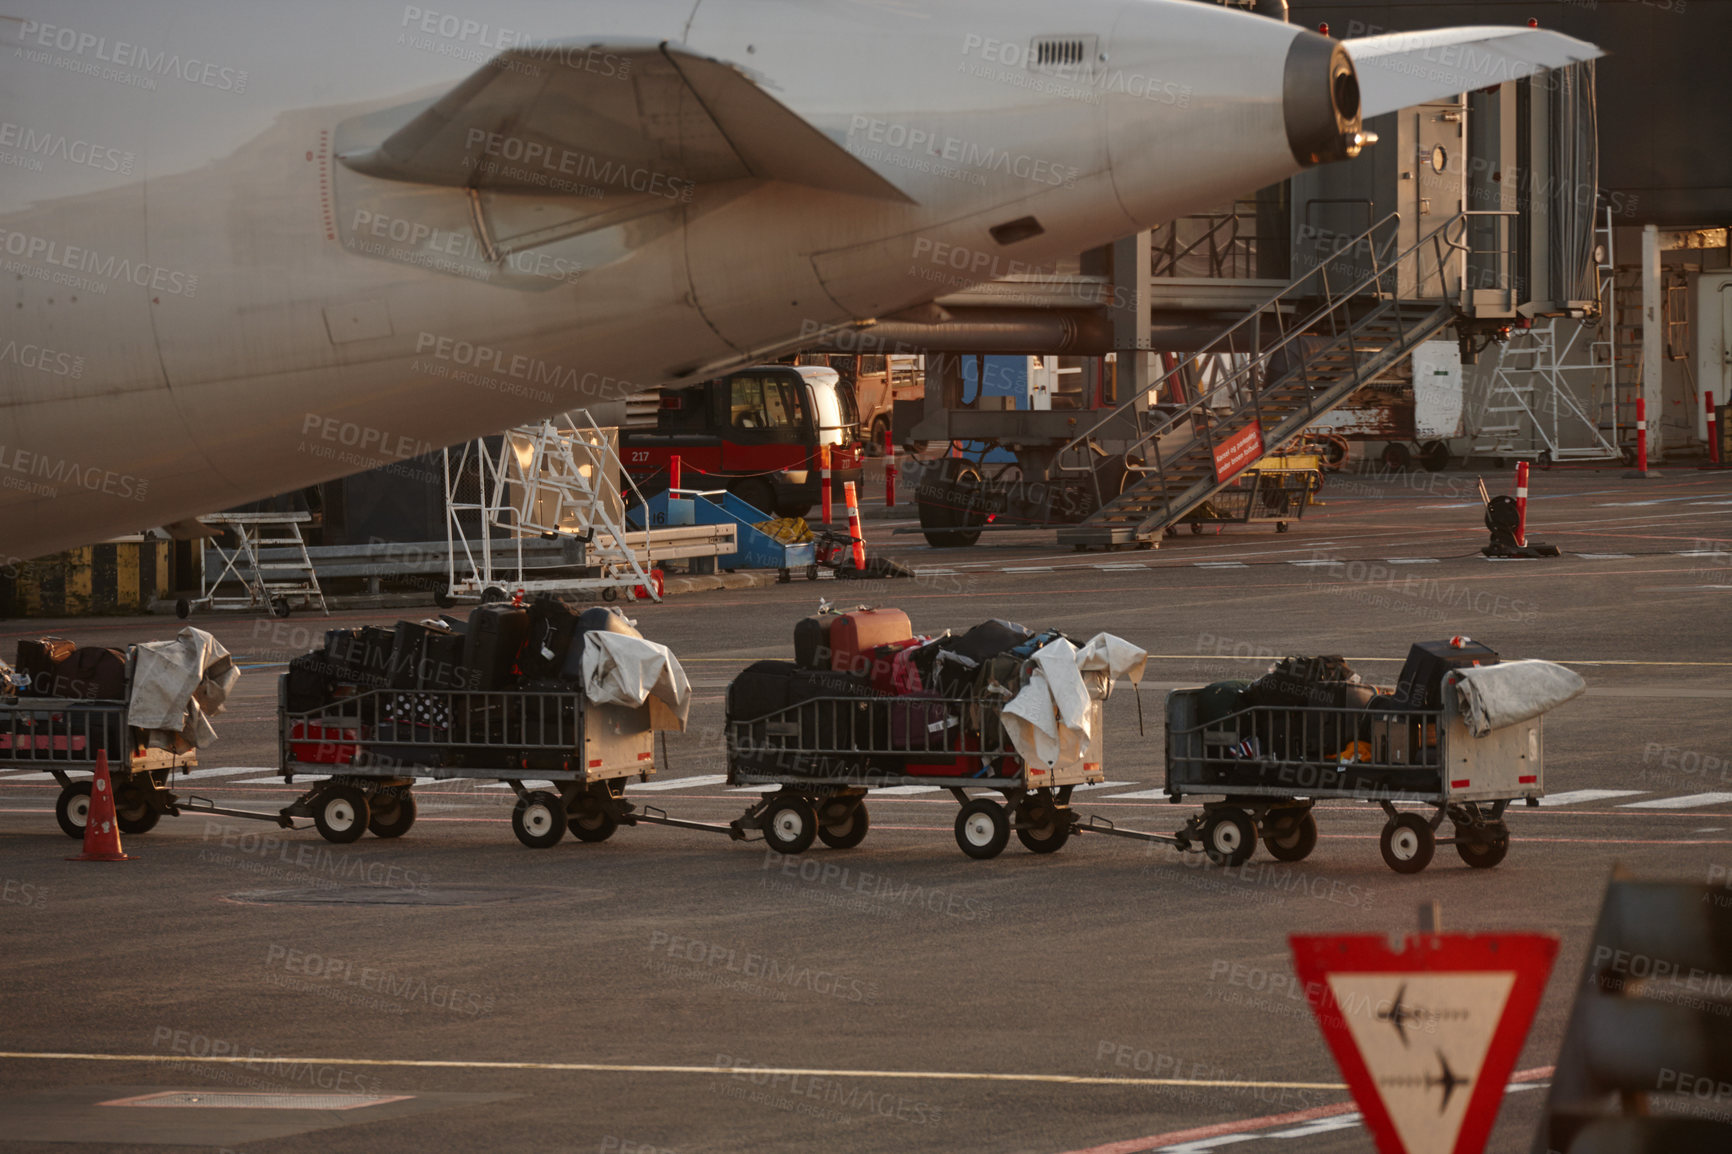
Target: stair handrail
point(1381, 266)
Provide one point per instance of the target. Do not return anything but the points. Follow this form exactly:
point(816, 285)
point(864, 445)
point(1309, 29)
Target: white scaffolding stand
point(273, 584)
point(553, 480)
point(1536, 379)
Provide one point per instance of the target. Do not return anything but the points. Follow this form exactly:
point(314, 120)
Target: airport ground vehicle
point(64, 735)
point(755, 433)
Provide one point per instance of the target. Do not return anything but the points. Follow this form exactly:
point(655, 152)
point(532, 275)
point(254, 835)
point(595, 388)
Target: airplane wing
point(612, 119)
point(1401, 69)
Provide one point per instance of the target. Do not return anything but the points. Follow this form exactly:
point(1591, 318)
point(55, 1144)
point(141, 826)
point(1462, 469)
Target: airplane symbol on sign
point(1448, 1080)
point(1399, 1015)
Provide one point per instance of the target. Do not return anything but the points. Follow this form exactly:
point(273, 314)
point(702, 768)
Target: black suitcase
point(812, 642)
point(311, 676)
point(36, 659)
point(1421, 684)
point(551, 625)
point(91, 674)
point(361, 656)
point(600, 617)
point(428, 657)
point(496, 633)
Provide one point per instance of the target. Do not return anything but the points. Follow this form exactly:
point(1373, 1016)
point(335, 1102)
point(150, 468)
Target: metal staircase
point(1303, 352)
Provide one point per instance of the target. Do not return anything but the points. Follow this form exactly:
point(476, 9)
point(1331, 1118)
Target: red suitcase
point(852, 635)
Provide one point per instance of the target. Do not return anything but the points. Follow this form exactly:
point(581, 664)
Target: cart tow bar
point(655, 816)
point(1097, 824)
point(205, 805)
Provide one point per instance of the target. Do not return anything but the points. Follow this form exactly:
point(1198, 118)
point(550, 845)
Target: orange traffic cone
point(101, 830)
point(854, 530)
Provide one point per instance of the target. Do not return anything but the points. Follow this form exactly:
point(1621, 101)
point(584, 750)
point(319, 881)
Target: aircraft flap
point(1401, 69)
point(608, 120)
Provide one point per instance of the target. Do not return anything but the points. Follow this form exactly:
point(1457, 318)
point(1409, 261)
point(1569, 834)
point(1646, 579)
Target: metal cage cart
point(827, 753)
point(373, 746)
point(1271, 764)
point(63, 737)
point(1259, 496)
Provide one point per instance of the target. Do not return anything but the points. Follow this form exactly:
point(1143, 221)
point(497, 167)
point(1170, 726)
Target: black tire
point(1051, 834)
point(947, 528)
point(444, 600)
point(182, 608)
point(492, 595)
point(1544, 460)
point(1397, 457)
point(1282, 526)
point(610, 594)
point(1229, 836)
point(592, 824)
point(1294, 842)
point(1434, 456)
point(132, 810)
point(790, 824)
point(341, 814)
point(1407, 843)
point(391, 815)
point(982, 828)
point(812, 572)
point(875, 439)
point(757, 493)
point(1486, 850)
point(280, 606)
point(850, 833)
point(539, 819)
point(1196, 528)
point(72, 809)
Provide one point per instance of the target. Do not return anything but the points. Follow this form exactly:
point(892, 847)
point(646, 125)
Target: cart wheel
point(982, 828)
point(1408, 843)
point(1196, 528)
point(443, 599)
point(280, 606)
point(132, 811)
point(492, 595)
point(341, 814)
point(593, 826)
point(848, 834)
point(72, 809)
point(1050, 836)
point(1486, 850)
point(1397, 457)
point(812, 572)
point(539, 819)
point(1282, 526)
point(610, 594)
point(1434, 455)
point(790, 825)
point(1295, 842)
point(183, 608)
point(393, 819)
point(1229, 836)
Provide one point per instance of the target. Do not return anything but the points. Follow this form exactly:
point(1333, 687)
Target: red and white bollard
point(1713, 429)
point(1641, 436)
point(1521, 529)
point(674, 475)
point(824, 479)
point(854, 531)
point(889, 469)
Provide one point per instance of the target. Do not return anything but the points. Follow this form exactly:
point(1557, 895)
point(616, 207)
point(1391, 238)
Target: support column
point(1132, 266)
point(1653, 343)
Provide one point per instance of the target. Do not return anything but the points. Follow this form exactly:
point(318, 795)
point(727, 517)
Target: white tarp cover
point(1492, 696)
point(619, 669)
point(1048, 720)
point(177, 687)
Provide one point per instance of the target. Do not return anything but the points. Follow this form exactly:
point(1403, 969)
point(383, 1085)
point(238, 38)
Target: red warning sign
point(1426, 1035)
point(1241, 449)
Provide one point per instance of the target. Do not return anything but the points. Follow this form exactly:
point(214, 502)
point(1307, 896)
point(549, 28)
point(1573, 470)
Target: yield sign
point(1427, 1035)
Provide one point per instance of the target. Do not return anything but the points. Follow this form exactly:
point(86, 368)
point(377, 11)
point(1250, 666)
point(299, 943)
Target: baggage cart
point(826, 754)
point(63, 736)
point(1259, 496)
point(371, 747)
point(1269, 765)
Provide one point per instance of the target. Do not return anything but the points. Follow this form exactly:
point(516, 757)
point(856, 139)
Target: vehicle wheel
point(444, 600)
point(1434, 455)
point(132, 811)
point(758, 494)
point(950, 528)
point(492, 595)
point(610, 594)
point(795, 510)
point(1196, 528)
point(1408, 843)
point(1050, 831)
point(539, 819)
point(592, 824)
point(1397, 457)
point(1544, 460)
point(812, 572)
point(848, 834)
point(1282, 526)
point(1486, 850)
point(1294, 841)
point(390, 815)
point(280, 606)
point(982, 828)
point(72, 809)
point(1229, 836)
point(183, 608)
point(341, 813)
point(875, 443)
point(790, 825)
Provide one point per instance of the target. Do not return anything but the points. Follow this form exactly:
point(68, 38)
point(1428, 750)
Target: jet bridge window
point(763, 403)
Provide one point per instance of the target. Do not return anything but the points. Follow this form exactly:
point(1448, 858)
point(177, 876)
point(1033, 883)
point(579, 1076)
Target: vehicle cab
point(754, 432)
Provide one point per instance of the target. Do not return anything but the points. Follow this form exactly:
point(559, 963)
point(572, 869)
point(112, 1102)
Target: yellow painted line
point(613, 1068)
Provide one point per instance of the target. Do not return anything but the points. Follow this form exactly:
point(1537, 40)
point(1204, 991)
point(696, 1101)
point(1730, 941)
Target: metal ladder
point(1533, 379)
point(272, 584)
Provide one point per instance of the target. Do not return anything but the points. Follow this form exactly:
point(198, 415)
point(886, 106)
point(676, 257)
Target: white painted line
point(1577, 796)
point(1205, 1144)
point(214, 771)
point(1028, 569)
point(1317, 562)
point(1458, 505)
point(28, 777)
point(924, 572)
point(1320, 1126)
point(701, 779)
point(275, 778)
point(1101, 785)
point(909, 790)
point(1603, 556)
point(1114, 568)
point(1220, 565)
point(526, 784)
point(1710, 829)
point(1689, 801)
point(1411, 561)
point(1142, 793)
point(1704, 553)
point(755, 789)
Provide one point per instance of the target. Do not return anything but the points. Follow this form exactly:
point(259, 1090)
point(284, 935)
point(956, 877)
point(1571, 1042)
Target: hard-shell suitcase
point(362, 656)
point(882, 672)
point(496, 633)
point(599, 617)
point(812, 642)
point(552, 623)
point(37, 658)
point(310, 680)
point(91, 673)
point(921, 721)
point(429, 656)
point(1421, 684)
point(854, 633)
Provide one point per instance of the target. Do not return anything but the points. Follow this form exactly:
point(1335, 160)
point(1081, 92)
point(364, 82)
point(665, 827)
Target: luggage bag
point(496, 633)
